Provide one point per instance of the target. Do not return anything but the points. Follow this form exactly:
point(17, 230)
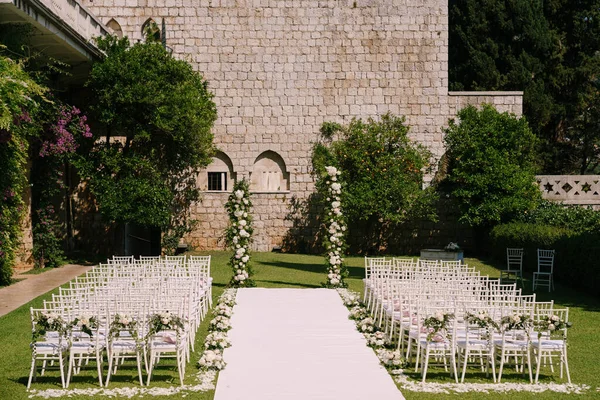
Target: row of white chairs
point(402, 293)
point(133, 291)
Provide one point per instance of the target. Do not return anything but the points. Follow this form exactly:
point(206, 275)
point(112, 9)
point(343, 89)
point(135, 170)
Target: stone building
point(280, 68)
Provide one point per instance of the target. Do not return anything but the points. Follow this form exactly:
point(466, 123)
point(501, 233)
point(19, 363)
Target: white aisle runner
point(290, 344)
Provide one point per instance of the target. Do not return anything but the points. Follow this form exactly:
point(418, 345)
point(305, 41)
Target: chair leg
point(62, 370)
point(564, 354)
point(425, 363)
point(139, 367)
point(149, 368)
point(99, 366)
point(110, 368)
point(529, 365)
point(501, 366)
point(464, 367)
point(180, 367)
point(31, 372)
point(70, 369)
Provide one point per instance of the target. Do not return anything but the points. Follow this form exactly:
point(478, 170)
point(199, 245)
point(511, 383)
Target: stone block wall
point(511, 102)
point(280, 68)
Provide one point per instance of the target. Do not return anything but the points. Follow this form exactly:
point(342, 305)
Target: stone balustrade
point(77, 17)
point(63, 29)
point(571, 189)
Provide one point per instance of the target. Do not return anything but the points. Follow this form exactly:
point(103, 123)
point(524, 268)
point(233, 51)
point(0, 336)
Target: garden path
point(290, 344)
point(32, 286)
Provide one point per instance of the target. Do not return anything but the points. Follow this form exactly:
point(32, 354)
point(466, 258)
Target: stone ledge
point(476, 93)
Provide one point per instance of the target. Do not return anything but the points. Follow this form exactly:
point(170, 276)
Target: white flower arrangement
point(217, 340)
point(239, 234)
point(377, 339)
point(212, 359)
point(366, 325)
point(334, 241)
point(391, 358)
point(223, 310)
point(220, 323)
point(452, 247)
point(228, 298)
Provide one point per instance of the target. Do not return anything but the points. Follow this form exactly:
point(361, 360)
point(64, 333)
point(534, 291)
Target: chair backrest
point(514, 259)
point(545, 260)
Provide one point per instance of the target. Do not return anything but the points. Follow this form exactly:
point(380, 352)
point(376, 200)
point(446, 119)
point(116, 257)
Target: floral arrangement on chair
point(124, 322)
point(437, 326)
point(48, 322)
point(516, 322)
point(452, 247)
point(482, 319)
point(86, 323)
point(239, 234)
point(164, 322)
point(552, 324)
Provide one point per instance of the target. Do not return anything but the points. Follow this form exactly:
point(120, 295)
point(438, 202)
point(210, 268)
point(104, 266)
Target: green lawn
point(294, 271)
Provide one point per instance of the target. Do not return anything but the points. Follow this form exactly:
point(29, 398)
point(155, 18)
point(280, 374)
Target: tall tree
point(549, 49)
point(158, 114)
point(490, 169)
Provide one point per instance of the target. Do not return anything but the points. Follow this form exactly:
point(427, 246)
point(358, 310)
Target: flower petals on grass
point(447, 388)
point(206, 382)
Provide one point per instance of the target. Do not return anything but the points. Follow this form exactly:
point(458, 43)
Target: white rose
point(331, 171)
point(245, 259)
point(335, 204)
point(239, 194)
point(242, 222)
point(551, 327)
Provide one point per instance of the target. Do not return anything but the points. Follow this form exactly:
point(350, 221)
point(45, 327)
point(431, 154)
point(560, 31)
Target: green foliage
point(383, 171)
point(490, 158)
point(238, 235)
point(158, 114)
point(576, 218)
point(20, 97)
point(549, 49)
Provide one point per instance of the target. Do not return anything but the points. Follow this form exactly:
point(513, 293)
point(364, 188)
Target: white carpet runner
point(292, 344)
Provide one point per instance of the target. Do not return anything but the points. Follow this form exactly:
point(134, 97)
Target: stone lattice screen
point(571, 189)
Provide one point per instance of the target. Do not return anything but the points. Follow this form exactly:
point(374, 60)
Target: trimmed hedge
point(576, 264)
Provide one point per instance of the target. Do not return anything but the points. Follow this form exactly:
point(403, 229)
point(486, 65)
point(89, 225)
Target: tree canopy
point(551, 50)
point(490, 166)
point(158, 114)
point(382, 170)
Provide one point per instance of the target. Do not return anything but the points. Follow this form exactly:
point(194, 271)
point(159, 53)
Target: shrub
point(576, 218)
point(383, 171)
point(490, 166)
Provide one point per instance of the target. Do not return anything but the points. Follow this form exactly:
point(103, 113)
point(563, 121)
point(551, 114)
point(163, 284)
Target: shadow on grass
point(563, 295)
point(353, 272)
point(302, 285)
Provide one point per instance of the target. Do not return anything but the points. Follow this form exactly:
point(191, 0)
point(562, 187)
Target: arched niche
point(151, 31)
point(219, 175)
point(115, 28)
point(269, 174)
